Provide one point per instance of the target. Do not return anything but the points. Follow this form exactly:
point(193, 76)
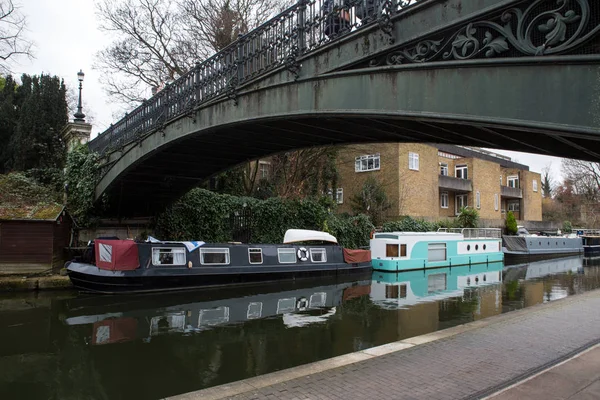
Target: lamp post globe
point(79, 115)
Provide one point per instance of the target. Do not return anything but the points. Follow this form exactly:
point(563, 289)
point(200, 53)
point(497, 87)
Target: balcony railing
point(511, 192)
point(455, 184)
point(475, 233)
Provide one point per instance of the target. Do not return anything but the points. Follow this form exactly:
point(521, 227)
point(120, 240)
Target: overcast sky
point(66, 37)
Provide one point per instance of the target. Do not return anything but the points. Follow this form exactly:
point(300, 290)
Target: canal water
point(63, 345)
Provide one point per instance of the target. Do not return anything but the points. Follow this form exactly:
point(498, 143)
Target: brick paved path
point(462, 366)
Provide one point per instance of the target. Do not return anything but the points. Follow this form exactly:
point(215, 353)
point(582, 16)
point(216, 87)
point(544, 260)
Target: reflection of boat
point(539, 269)
point(394, 290)
point(402, 251)
point(125, 318)
point(125, 266)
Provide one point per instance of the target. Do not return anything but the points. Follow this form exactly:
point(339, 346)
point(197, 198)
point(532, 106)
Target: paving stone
point(459, 366)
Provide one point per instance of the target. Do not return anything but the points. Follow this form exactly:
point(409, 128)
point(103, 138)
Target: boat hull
point(89, 278)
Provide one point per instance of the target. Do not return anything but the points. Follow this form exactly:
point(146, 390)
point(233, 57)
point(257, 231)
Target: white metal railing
point(475, 233)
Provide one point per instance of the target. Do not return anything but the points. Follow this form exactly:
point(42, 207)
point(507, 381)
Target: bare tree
point(159, 40)
point(13, 41)
point(585, 177)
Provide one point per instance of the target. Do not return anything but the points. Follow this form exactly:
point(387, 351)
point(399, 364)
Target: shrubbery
point(205, 215)
point(511, 223)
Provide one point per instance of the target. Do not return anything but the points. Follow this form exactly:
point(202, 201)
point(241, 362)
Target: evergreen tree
point(8, 118)
point(41, 105)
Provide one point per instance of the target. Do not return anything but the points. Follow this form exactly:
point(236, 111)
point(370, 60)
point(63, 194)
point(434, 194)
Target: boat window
point(318, 300)
point(213, 316)
point(286, 305)
point(254, 310)
point(286, 255)
point(391, 291)
point(214, 256)
point(168, 256)
point(318, 255)
point(436, 283)
point(255, 256)
point(402, 250)
point(385, 236)
point(391, 250)
point(436, 252)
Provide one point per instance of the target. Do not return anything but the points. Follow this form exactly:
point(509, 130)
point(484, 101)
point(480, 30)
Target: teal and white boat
point(404, 251)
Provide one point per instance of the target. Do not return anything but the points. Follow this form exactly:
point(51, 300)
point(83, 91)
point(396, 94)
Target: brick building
point(435, 181)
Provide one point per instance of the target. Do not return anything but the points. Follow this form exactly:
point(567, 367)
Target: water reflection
point(69, 346)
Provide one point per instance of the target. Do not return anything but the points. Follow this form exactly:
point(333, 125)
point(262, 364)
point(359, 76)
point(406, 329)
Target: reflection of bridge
point(511, 74)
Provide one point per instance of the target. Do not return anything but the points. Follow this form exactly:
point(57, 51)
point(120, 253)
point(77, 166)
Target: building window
point(478, 199)
point(413, 161)
point(448, 155)
point(168, 255)
point(496, 201)
point(460, 171)
point(214, 256)
point(444, 200)
point(339, 196)
point(444, 169)
point(500, 180)
point(512, 181)
point(460, 202)
point(366, 163)
point(513, 205)
point(255, 256)
point(263, 169)
point(535, 185)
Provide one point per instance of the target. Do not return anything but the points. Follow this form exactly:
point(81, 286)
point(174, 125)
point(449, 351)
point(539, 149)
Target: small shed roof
point(38, 212)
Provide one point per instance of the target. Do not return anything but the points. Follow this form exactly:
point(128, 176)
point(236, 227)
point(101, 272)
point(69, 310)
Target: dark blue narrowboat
point(126, 266)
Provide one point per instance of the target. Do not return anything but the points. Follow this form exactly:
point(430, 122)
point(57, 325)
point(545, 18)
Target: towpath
point(470, 361)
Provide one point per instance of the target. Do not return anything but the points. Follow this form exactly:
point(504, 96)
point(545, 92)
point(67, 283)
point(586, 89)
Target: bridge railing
point(298, 30)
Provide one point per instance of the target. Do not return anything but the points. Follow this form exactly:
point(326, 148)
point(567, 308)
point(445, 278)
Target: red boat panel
point(117, 255)
point(357, 256)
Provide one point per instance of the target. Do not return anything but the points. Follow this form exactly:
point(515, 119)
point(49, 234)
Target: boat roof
point(419, 233)
point(304, 235)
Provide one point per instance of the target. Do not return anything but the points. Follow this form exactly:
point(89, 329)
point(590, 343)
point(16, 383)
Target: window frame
point(413, 161)
point(288, 250)
point(465, 204)
point(444, 168)
point(461, 167)
point(510, 206)
point(446, 196)
point(358, 162)
point(215, 250)
point(179, 250)
point(535, 185)
point(339, 196)
point(259, 252)
point(514, 179)
point(321, 250)
point(496, 202)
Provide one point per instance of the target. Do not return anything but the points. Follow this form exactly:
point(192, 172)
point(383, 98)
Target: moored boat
point(402, 251)
point(126, 266)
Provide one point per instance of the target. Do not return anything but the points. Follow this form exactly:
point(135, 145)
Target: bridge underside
point(537, 108)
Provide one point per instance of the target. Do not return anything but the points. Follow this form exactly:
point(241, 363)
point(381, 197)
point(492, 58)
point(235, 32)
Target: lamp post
point(79, 116)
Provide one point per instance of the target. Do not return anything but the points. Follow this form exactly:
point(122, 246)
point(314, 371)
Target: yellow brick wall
point(352, 181)
point(418, 192)
point(532, 201)
point(486, 180)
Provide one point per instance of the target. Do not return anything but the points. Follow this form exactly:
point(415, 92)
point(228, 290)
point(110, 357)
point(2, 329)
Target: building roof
point(469, 152)
point(39, 212)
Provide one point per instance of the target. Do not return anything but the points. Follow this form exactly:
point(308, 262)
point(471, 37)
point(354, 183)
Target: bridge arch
point(525, 105)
